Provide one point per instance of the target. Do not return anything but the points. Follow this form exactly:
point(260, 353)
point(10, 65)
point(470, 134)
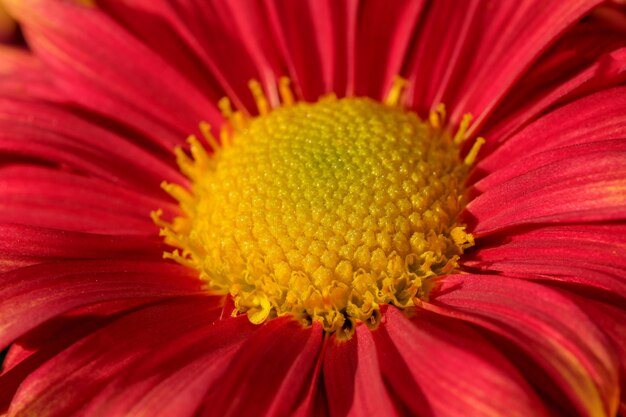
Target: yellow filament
point(393, 97)
point(225, 107)
point(438, 116)
point(286, 94)
point(205, 129)
point(235, 118)
point(471, 156)
point(460, 134)
point(259, 97)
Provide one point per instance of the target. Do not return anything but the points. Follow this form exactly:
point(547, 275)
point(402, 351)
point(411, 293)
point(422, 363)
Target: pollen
point(322, 211)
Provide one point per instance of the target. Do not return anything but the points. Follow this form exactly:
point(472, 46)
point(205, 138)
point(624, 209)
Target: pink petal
point(353, 378)
point(63, 385)
point(582, 183)
point(29, 296)
point(544, 332)
point(104, 68)
point(442, 367)
point(271, 374)
point(174, 380)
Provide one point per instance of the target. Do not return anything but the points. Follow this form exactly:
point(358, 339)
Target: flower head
point(382, 208)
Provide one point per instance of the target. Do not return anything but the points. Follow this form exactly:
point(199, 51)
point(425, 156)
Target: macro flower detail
point(284, 208)
point(322, 211)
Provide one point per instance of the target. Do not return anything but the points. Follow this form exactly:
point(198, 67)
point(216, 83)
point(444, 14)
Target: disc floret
point(322, 211)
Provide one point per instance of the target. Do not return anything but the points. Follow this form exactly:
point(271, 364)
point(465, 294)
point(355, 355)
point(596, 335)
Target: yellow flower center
point(323, 211)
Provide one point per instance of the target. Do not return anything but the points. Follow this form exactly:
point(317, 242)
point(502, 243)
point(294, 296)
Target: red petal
point(612, 321)
point(104, 68)
point(589, 58)
point(53, 134)
point(174, 380)
point(29, 296)
point(584, 257)
point(442, 57)
point(48, 340)
point(294, 33)
point(22, 74)
point(486, 48)
point(35, 245)
point(272, 372)
point(441, 367)
point(353, 378)
point(56, 199)
point(65, 384)
point(384, 34)
point(197, 39)
point(547, 335)
point(515, 37)
point(575, 184)
point(595, 118)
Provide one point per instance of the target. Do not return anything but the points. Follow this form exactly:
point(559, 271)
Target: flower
point(500, 292)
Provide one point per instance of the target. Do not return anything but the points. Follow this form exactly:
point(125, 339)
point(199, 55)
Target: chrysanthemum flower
point(310, 208)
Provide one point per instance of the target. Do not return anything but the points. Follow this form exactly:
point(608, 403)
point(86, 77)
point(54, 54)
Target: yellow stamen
point(177, 192)
point(198, 152)
point(395, 93)
point(259, 97)
point(234, 117)
point(225, 136)
point(460, 134)
point(286, 94)
point(473, 153)
point(225, 107)
point(205, 129)
point(438, 116)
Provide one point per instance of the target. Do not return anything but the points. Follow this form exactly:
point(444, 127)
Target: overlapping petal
point(271, 374)
point(100, 66)
point(594, 118)
point(353, 378)
point(585, 258)
point(440, 367)
point(42, 196)
point(95, 360)
point(507, 36)
point(28, 353)
point(31, 295)
point(53, 134)
point(87, 125)
point(545, 332)
point(176, 378)
point(579, 183)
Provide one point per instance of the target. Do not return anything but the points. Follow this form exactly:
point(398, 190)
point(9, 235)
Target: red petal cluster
point(96, 323)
